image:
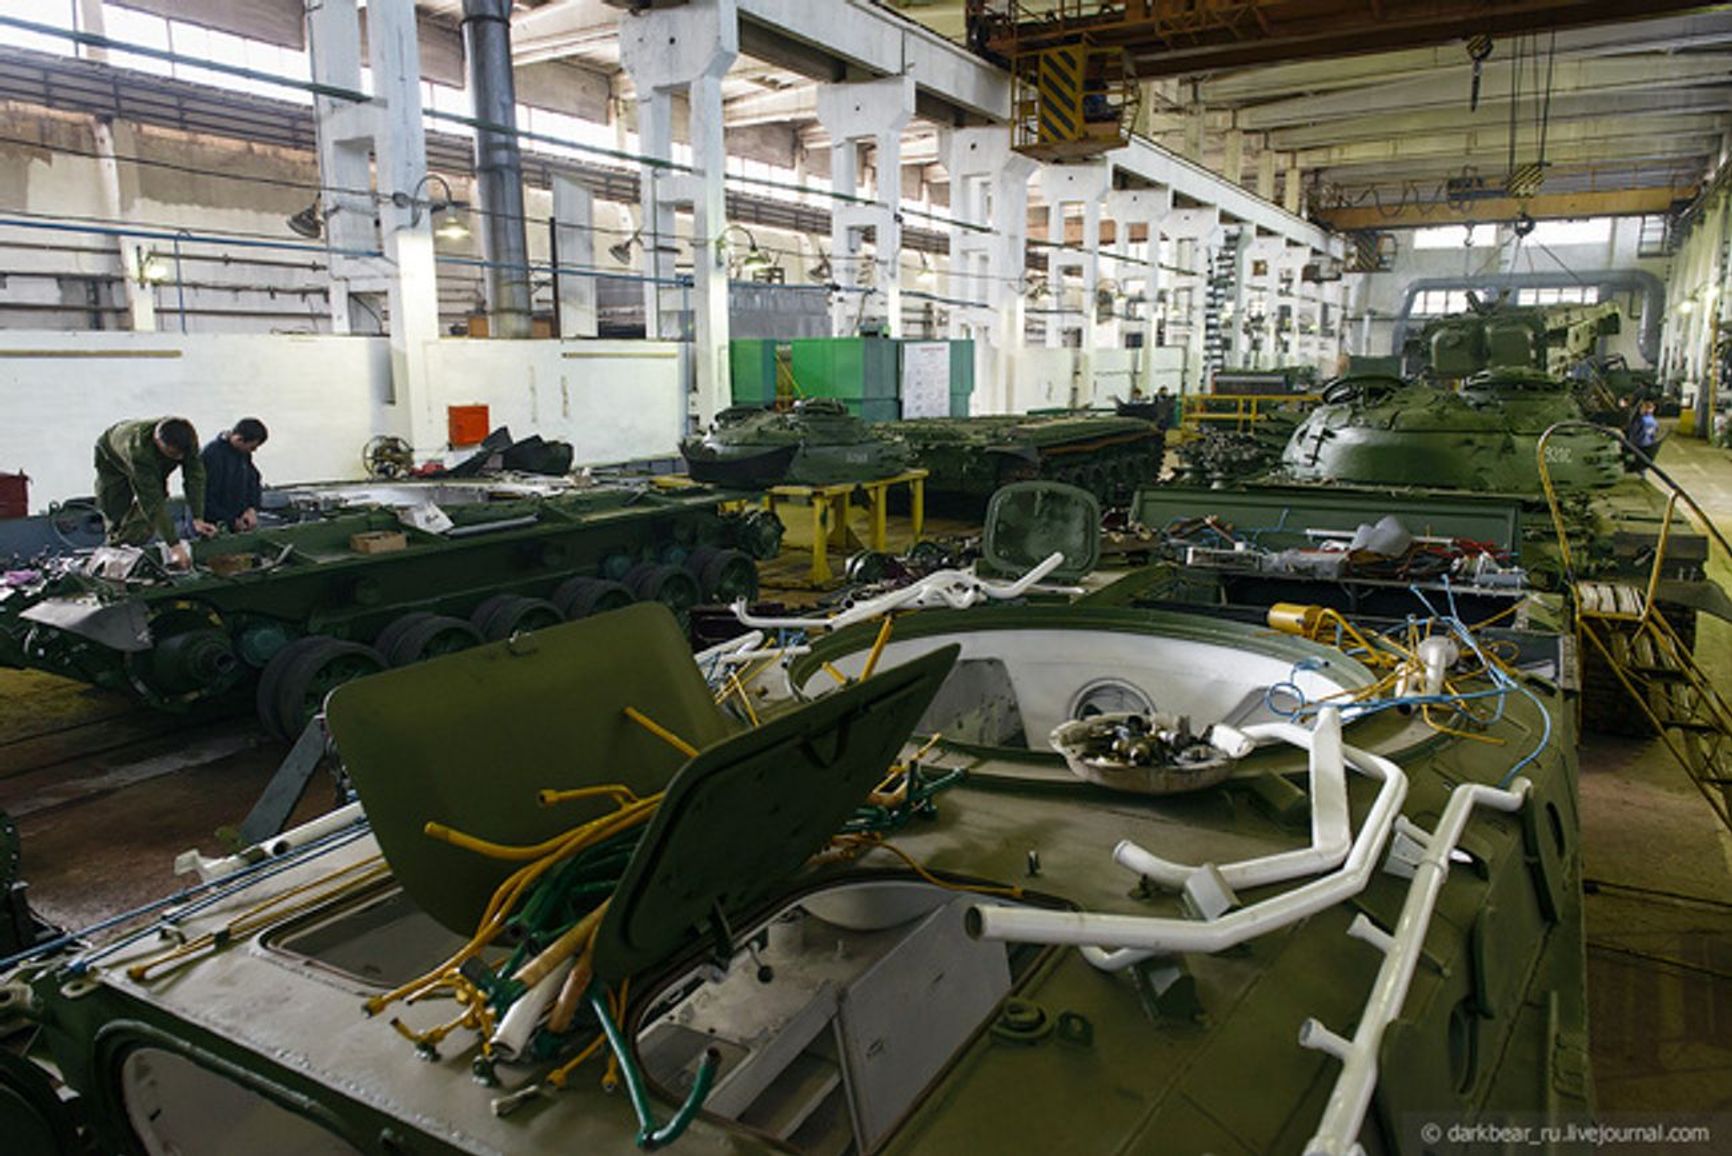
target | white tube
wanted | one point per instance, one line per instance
(1331, 833)
(957, 589)
(313, 829)
(518, 1024)
(1345, 1111)
(1121, 940)
(191, 862)
(722, 650)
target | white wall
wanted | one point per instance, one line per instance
(323, 397)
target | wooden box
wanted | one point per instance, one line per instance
(378, 541)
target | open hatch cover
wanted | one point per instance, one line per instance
(745, 814)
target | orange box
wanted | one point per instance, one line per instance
(467, 424)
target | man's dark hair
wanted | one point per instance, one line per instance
(251, 429)
(178, 435)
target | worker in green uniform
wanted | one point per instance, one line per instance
(133, 462)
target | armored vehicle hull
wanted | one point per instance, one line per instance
(968, 459)
(844, 1001)
(816, 443)
(291, 611)
(1378, 431)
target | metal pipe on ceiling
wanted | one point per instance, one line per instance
(498, 164)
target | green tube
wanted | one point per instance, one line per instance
(649, 1136)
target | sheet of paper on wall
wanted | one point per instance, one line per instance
(925, 379)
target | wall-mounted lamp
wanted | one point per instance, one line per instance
(754, 263)
(309, 222)
(1686, 307)
(447, 211)
(621, 250)
(152, 269)
(927, 274)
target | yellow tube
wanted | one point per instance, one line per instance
(660, 732)
(878, 647)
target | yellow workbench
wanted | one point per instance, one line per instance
(829, 506)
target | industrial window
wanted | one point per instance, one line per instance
(1446, 237)
(1588, 231)
(1565, 295)
(60, 16)
(139, 28)
(1436, 302)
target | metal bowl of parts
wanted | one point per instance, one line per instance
(1147, 754)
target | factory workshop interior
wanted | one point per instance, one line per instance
(865, 576)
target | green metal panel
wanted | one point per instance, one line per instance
(850, 368)
(752, 363)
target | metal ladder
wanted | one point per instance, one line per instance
(1620, 622)
(1657, 668)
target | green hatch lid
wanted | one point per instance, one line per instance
(469, 739)
(744, 815)
(1027, 521)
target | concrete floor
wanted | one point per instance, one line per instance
(1659, 964)
(106, 795)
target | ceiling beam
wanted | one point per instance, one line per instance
(1615, 203)
(1448, 88)
(1491, 164)
(1452, 120)
(1493, 140)
(1697, 30)
(1347, 31)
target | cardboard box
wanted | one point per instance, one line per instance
(378, 541)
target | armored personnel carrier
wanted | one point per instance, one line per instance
(817, 442)
(1549, 339)
(292, 611)
(811, 935)
(968, 459)
(1482, 437)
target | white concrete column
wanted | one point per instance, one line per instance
(1006, 274)
(655, 136)
(874, 111)
(1056, 260)
(1266, 171)
(1233, 163)
(351, 134)
(400, 157)
(710, 329)
(140, 297)
(1196, 234)
(1148, 208)
(688, 49)
(1195, 120)
(1291, 188)
(574, 232)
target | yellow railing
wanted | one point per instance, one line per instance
(1240, 410)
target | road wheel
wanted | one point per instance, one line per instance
(503, 615)
(582, 597)
(301, 676)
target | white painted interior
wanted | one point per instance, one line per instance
(321, 396)
(1203, 680)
